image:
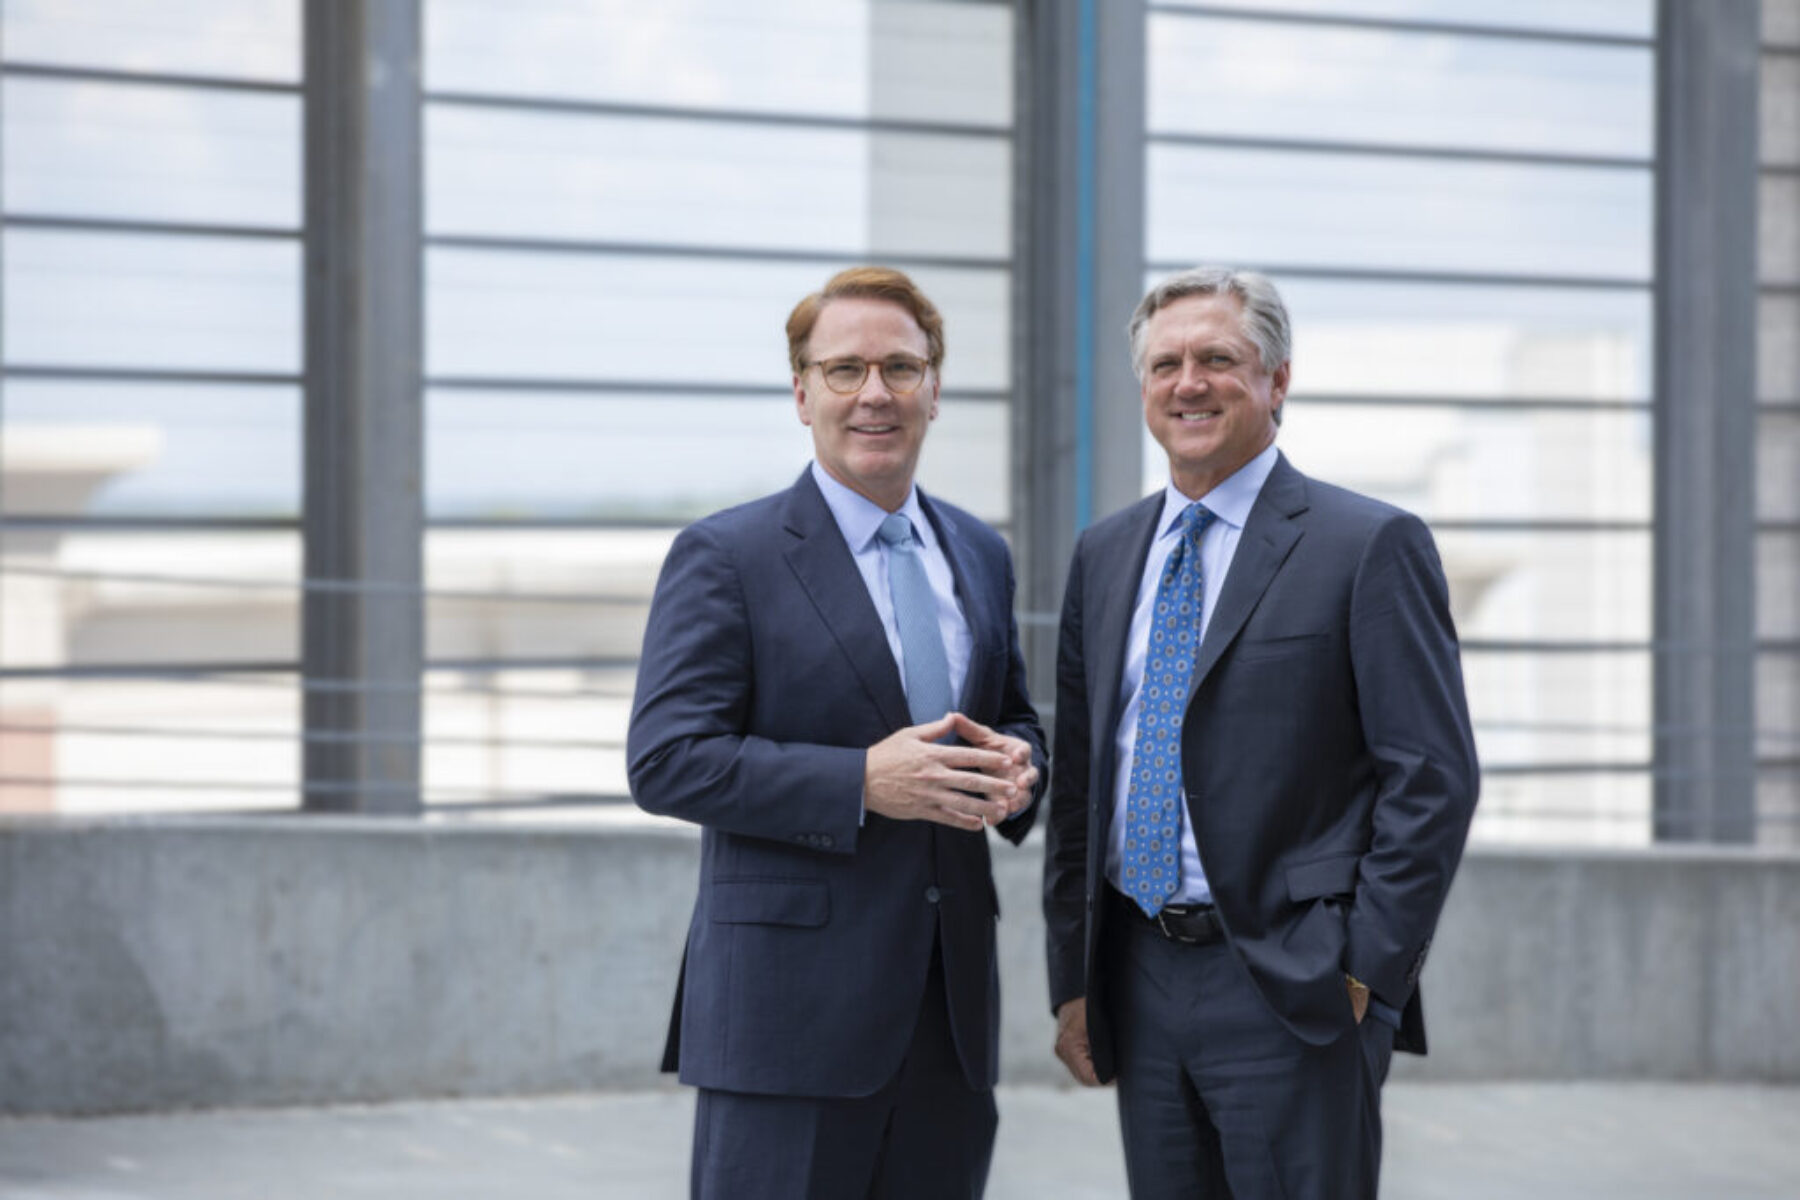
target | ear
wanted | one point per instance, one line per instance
(1278, 384)
(931, 412)
(800, 408)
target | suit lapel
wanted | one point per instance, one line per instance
(1119, 564)
(827, 572)
(977, 596)
(1269, 537)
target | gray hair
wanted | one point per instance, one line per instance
(1265, 316)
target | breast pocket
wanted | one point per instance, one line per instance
(1296, 645)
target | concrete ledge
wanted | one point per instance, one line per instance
(156, 964)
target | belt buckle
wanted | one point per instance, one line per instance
(1162, 923)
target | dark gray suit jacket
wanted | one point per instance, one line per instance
(765, 677)
(1327, 758)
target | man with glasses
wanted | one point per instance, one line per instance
(831, 687)
(1264, 777)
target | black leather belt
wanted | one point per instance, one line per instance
(1189, 924)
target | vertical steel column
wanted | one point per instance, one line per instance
(1078, 272)
(363, 631)
(1706, 184)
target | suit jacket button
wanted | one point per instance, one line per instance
(933, 895)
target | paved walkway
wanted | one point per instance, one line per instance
(1452, 1141)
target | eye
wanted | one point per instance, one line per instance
(845, 374)
(1164, 366)
(903, 374)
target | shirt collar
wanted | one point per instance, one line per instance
(859, 518)
(1230, 502)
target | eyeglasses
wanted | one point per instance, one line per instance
(902, 373)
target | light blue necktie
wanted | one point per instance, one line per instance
(1150, 866)
(915, 613)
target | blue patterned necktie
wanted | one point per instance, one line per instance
(915, 613)
(1150, 867)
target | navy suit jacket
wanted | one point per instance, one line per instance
(1327, 761)
(765, 677)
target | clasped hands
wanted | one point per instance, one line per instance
(913, 776)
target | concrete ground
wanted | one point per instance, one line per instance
(1457, 1141)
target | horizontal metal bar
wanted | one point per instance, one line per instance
(351, 587)
(492, 797)
(1444, 278)
(151, 228)
(225, 83)
(1643, 767)
(1778, 408)
(1483, 403)
(652, 387)
(173, 523)
(147, 375)
(1404, 25)
(286, 678)
(318, 736)
(1535, 646)
(566, 246)
(1531, 158)
(1535, 525)
(527, 801)
(730, 116)
(656, 387)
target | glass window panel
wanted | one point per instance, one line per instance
(1251, 78)
(1385, 213)
(1620, 18)
(130, 301)
(1778, 467)
(641, 317)
(1779, 110)
(708, 183)
(82, 747)
(1447, 463)
(74, 447)
(240, 39)
(663, 457)
(1781, 22)
(945, 61)
(1778, 706)
(1778, 229)
(1778, 348)
(84, 149)
(1548, 585)
(179, 597)
(1778, 807)
(522, 735)
(1535, 708)
(1778, 584)
(1459, 341)
(1611, 808)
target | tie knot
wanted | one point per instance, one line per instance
(895, 529)
(1194, 520)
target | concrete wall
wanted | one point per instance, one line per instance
(286, 960)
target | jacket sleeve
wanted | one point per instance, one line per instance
(1415, 723)
(689, 752)
(1066, 848)
(1018, 717)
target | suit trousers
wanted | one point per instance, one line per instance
(1217, 1098)
(925, 1133)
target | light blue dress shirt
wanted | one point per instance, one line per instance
(859, 520)
(1230, 503)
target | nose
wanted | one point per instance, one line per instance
(874, 389)
(1193, 378)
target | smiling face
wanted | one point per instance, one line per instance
(1208, 400)
(868, 441)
